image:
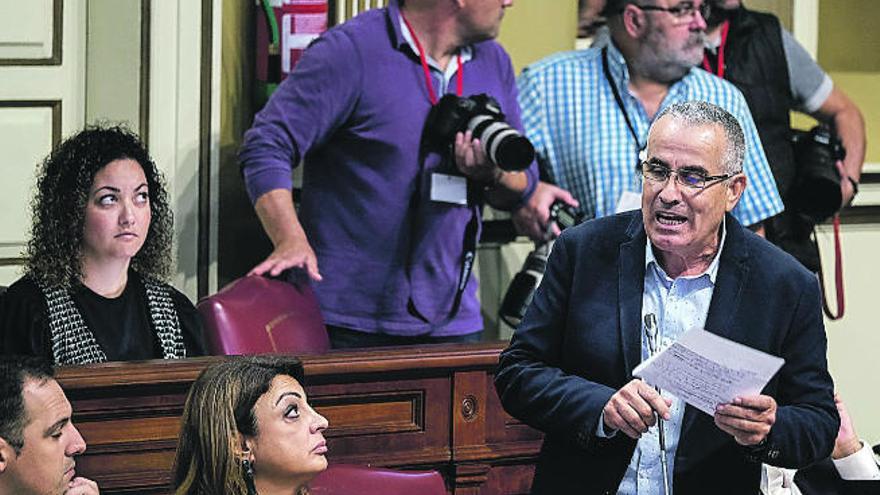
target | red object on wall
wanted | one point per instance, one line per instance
(299, 22)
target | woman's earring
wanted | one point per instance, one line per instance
(248, 471)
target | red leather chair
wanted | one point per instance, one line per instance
(255, 315)
(343, 479)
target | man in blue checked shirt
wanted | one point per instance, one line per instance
(588, 112)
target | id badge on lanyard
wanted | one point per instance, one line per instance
(445, 188)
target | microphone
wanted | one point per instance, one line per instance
(652, 334)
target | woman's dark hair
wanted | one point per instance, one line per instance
(54, 251)
(219, 409)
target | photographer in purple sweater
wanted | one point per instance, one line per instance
(392, 197)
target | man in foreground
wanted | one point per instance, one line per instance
(686, 259)
(38, 442)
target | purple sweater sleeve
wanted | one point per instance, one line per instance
(308, 106)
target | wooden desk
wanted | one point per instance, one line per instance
(418, 407)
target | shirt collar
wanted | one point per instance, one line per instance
(711, 271)
(617, 66)
(466, 52)
(393, 13)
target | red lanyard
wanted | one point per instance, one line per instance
(720, 72)
(459, 83)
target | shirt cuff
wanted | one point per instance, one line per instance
(600, 428)
(858, 466)
(817, 99)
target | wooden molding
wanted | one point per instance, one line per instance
(394, 407)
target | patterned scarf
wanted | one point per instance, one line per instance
(74, 343)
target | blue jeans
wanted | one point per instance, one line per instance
(346, 338)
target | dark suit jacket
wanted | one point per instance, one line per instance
(822, 478)
(581, 338)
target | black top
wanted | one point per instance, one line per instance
(756, 64)
(122, 326)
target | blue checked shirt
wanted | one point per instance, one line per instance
(580, 134)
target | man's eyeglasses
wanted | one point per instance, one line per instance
(693, 179)
(683, 12)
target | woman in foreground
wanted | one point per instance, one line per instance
(248, 429)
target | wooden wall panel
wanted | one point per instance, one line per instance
(31, 32)
(407, 421)
(28, 130)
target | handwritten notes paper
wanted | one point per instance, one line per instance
(705, 370)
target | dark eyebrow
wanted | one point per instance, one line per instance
(285, 394)
(111, 188)
(61, 423)
(117, 190)
(656, 161)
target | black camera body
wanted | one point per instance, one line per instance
(481, 114)
(816, 190)
(564, 215)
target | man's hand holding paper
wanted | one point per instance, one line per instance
(720, 377)
(748, 419)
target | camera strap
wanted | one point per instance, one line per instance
(468, 256)
(838, 274)
(459, 74)
(469, 249)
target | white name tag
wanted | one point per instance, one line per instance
(628, 201)
(449, 188)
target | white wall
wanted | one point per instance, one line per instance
(854, 341)
(175, 76)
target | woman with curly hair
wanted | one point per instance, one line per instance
(98, 255)
(248, 429)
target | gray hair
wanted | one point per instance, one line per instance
(699, 113)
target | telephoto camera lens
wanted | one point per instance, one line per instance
(522, 288)
(503, 144)
(521, 291)
(481, 114)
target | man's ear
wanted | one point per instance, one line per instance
(7, 454)
(634, 21)
(737, 184)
